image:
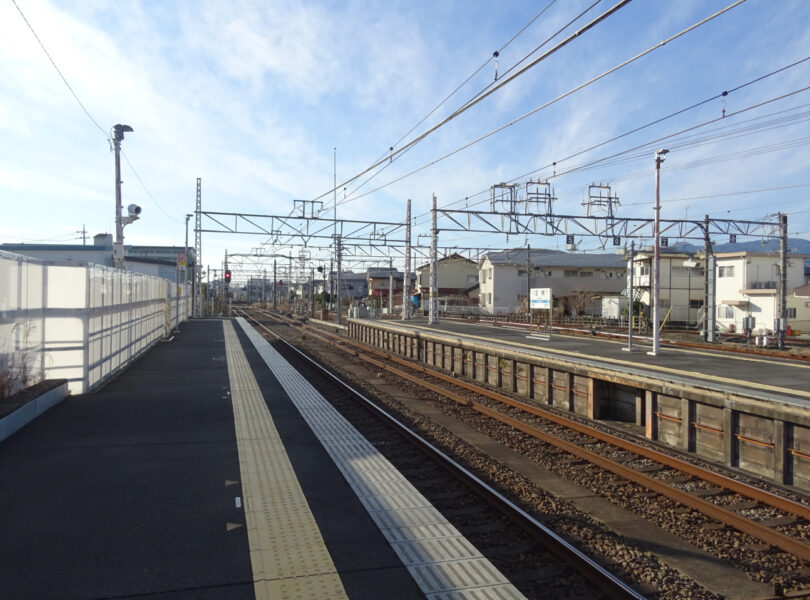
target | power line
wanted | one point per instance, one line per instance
(75, 97)
(391, 158)
(558, 98)
(84, 108)
(146, 189)
(479, 98)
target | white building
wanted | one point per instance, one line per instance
(748, 286)
(681, 285)
(456, 278)
(577, 281)
(158, 261)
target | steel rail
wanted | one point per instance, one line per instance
(596, 573)
(765, 534)
(795, 508)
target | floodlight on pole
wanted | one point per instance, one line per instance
(118, 244)
(656, 290)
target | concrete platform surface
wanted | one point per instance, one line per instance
(779, 379)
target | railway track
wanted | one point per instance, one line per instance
(512, 539)
(636, 474)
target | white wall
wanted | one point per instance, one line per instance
(82, 323)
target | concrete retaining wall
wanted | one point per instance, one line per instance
(769, 439)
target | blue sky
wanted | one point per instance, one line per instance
(253, 96)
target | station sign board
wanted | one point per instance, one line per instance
(540, 298)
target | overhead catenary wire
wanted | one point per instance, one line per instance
(641, 150)
(558, 98)
(470, 104)
(386, 160)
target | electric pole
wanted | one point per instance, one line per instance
(118, 246)
(433, 306)
(656, 291)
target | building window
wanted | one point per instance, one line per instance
(570, 273)
(472, 279)
(790, 313)
(725, 312)
(644, 270)
(695, 303)
(521, 272)
(725, 271)
(586, 274)
(483, 276)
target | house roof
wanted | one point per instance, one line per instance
(454, 256)
(382, 273)
(555, 258)
(803, 291)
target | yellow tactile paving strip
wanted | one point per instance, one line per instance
(442, 562)
(287, 552)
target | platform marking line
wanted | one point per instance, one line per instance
(287, 553)
(792, 364)
(440, 559)
(670, 370)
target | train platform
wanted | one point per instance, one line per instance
(781, 379)
(211, 469)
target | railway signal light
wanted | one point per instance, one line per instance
(227, 279)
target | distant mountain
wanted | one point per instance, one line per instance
(795, 246)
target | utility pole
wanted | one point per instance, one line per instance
(83, 232)
(227, 306)
(656, 291)
(782, 280)
(406, 276)
(391, 286)
(528, 283)
(264, 288)
(118, 245)
(312, 292)
(433, 306)
(338, 253)
(275, 285)
(197, 282)
(185, 260)
(709, 274)
(630, 298)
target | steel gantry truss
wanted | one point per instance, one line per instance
(293, 230)
(613, 229)
(605, 228)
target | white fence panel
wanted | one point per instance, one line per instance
(81, 322)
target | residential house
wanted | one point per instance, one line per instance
(379, 282)
(577, 281)
(681, 285)
(747, 285)
(456, 280)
